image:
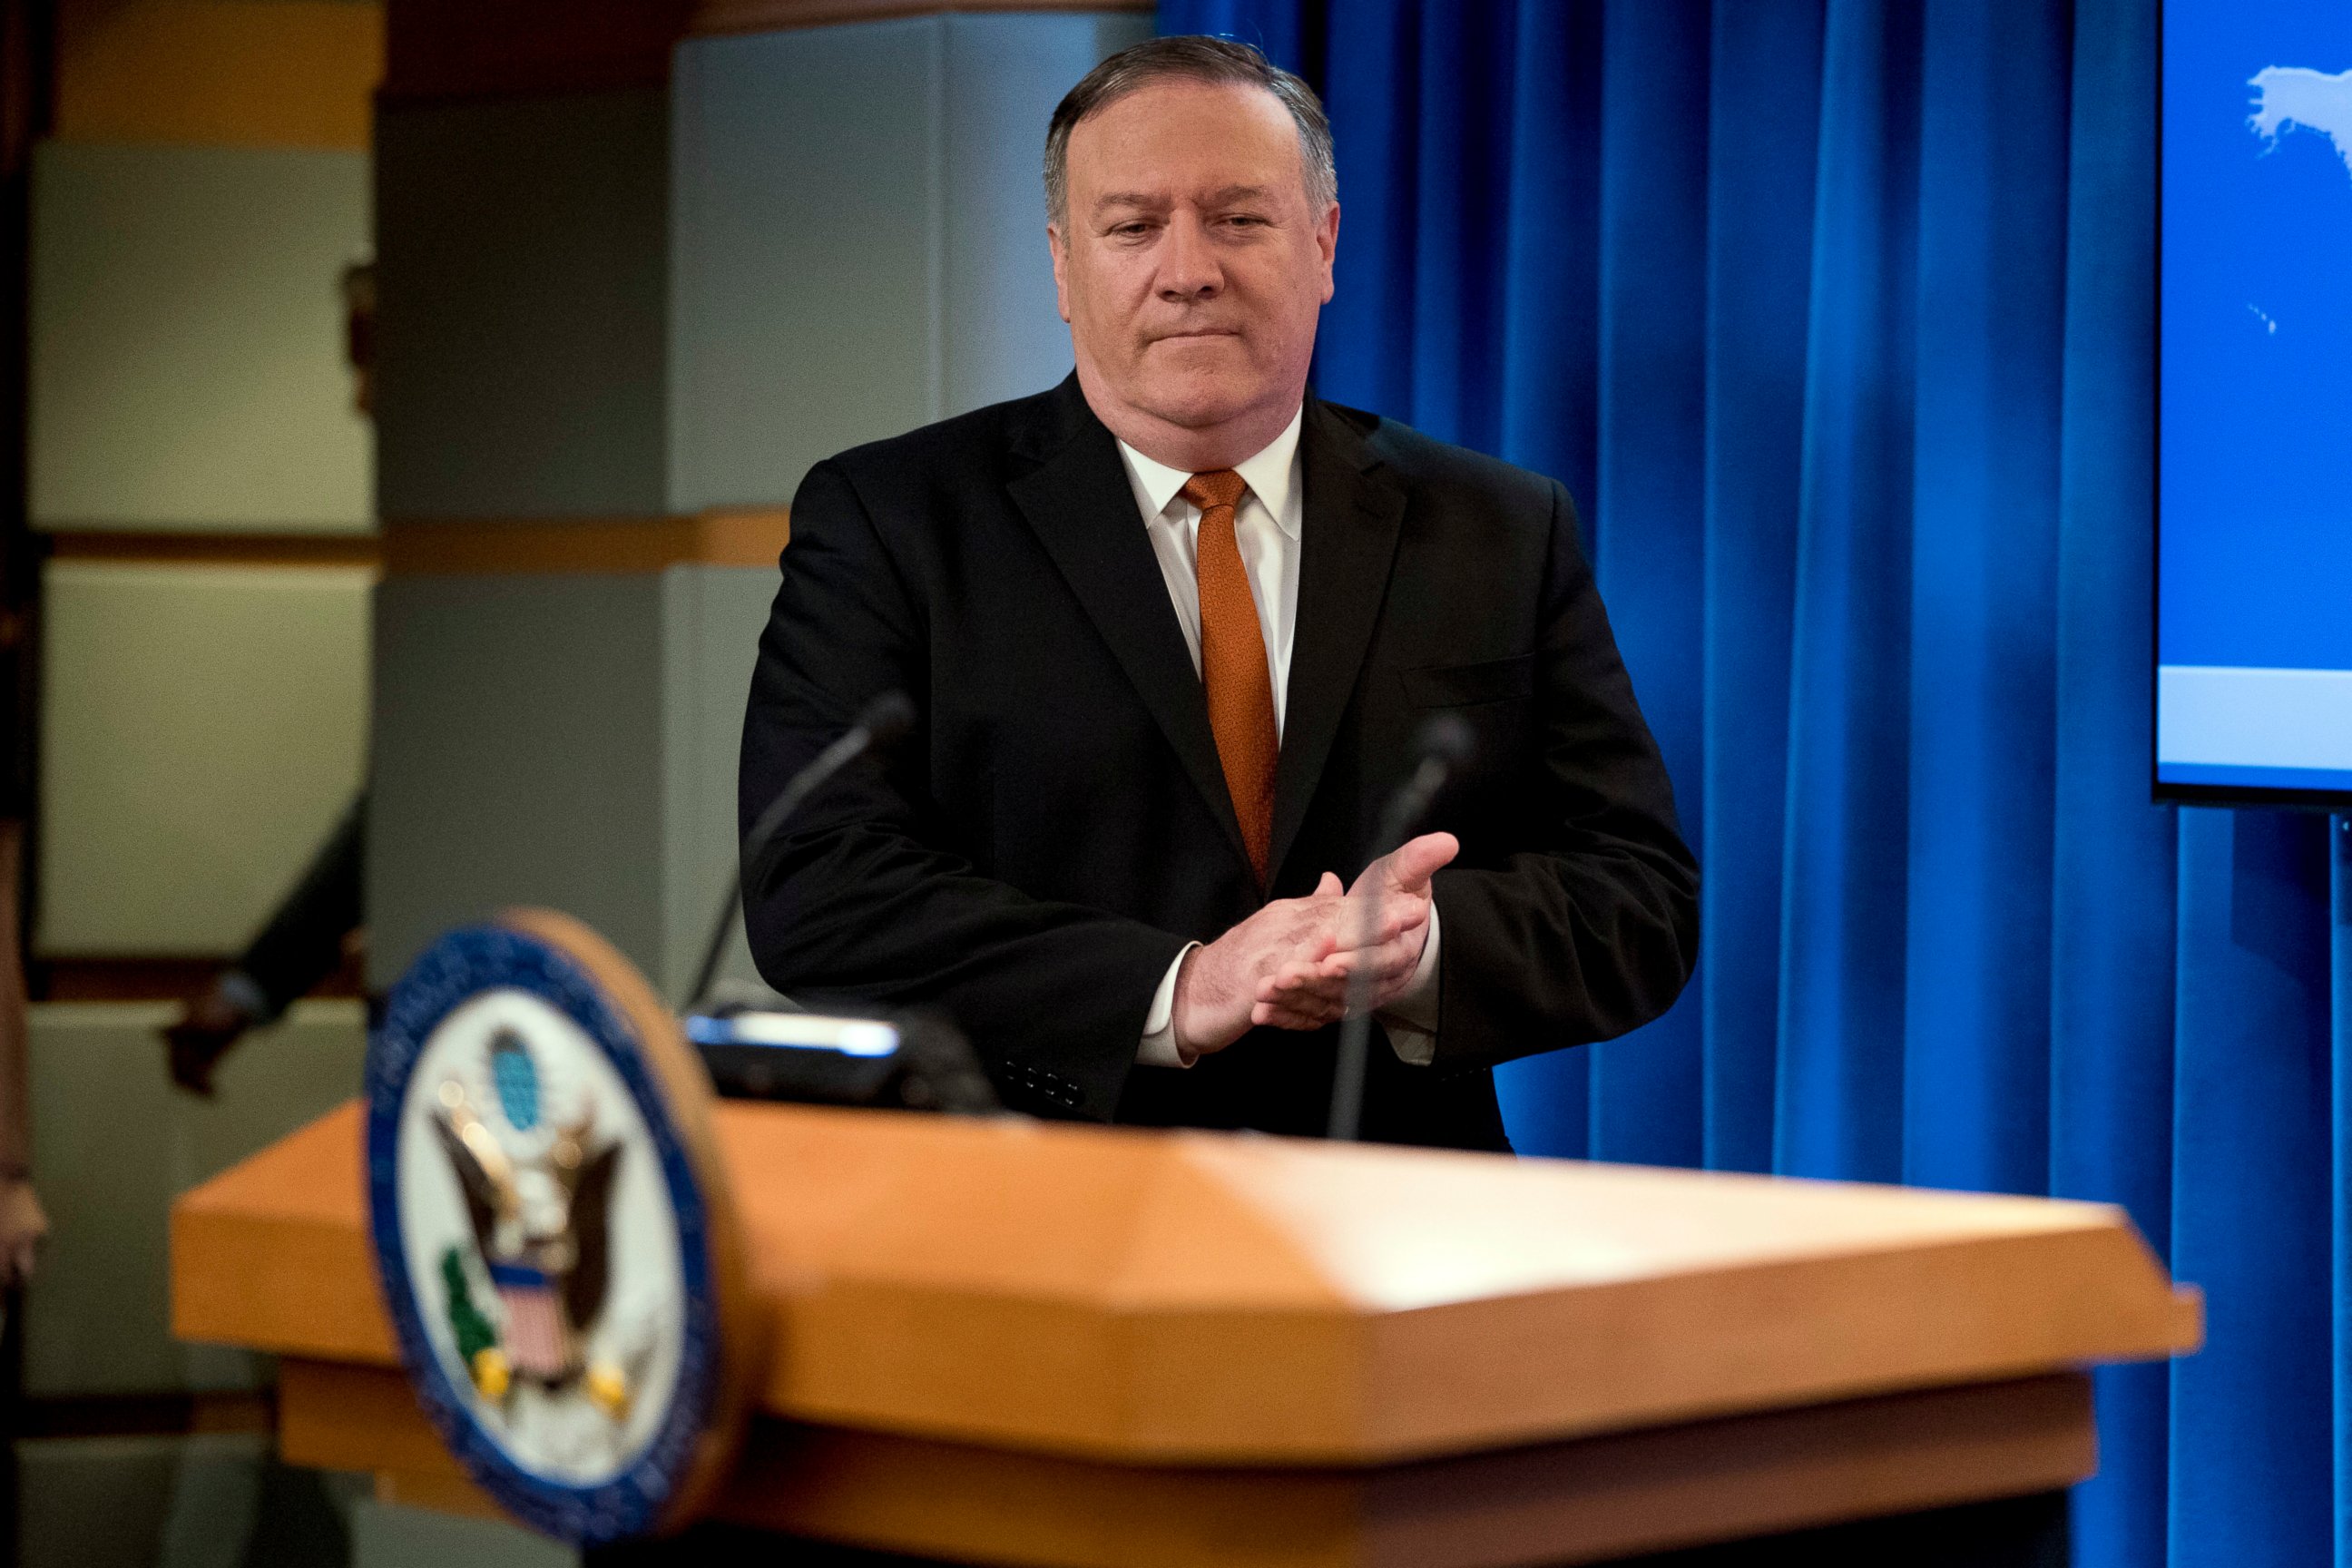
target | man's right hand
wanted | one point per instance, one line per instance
(1217, 987)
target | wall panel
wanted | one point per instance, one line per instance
(202, 727)
(187, 339)
(386, 1535)
(114, 1142)
(711, 634)
(1003, 335)
(858, 235)
(854, 222)
(806, 252)
(517, 758)
(226, 73)
(522, 276)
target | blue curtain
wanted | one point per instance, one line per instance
(1838, 317)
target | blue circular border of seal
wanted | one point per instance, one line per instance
(461, 965)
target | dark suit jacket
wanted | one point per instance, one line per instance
(1059, 828)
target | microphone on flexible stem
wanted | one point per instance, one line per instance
(1442, 745)
(881, 724)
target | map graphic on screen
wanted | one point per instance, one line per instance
(2255, 567)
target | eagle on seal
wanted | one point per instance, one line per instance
(540, 1206)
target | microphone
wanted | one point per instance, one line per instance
(1441, 747)
(881, 724)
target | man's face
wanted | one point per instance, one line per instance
(1190, 264)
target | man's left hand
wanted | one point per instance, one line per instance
(1309, 995)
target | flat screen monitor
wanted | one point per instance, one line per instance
(2254, 656)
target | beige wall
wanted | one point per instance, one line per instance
(204, 712)
(187, 339)
(114, 1142)
(204, 718)
(202, 728)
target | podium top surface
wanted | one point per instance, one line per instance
(1194, 1298)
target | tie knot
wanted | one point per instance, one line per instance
(1218, 487)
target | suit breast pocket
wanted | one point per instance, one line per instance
(1469, 685)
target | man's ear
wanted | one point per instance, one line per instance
(1327, 241)
(1061, 253)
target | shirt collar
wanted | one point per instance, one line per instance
(1269, 475)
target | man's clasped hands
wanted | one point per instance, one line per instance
(1287, 965)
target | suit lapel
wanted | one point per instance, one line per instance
(1077, 501)
(1348, 545)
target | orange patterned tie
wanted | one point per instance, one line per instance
(1233, 664)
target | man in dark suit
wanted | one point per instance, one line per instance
(1171, 629)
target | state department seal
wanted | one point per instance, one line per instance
(551, 1232)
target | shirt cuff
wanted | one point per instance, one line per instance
(244, 993)
(1160, 1048)
(1411, 1020)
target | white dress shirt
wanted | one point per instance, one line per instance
(1267, 526)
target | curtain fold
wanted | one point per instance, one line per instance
(2251, 1423)
(1837, 319)
(2113, 857)
(2340, 1187)
(1764, 91)
(1990, 303)
(1844, 879)
(1650, 560)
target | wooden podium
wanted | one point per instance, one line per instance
(1014, 1343)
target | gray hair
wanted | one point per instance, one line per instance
(1192, 57)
